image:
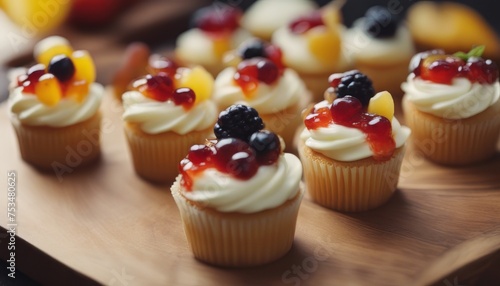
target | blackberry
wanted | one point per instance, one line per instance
(238, 121)
(267, 145)
(380, 23)
(252, 48)
(61, 67)
(356, 84)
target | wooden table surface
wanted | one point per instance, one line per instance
(104, 225)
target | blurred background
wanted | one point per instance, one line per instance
(106, 27)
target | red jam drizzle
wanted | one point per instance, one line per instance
(252, 71)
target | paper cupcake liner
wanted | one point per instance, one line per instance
(156, 157)
(237, 239)
(286, 122)
(454, 142)
(350, 186)
(59, 148)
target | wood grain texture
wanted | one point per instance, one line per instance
(106, 223)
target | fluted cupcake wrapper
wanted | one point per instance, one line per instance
(156, 157)
(238, 239)
(350, 186)
(454, 142)
(61, 149)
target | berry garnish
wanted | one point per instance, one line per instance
(345, 109)
(238, 121)
(159, 64)
(380, 23)
(184, 96)
(61, 67)
(250, 72)
(481, 71)
(158, 87)
(267, 146)
(217, 19)
(252, 48)
(321, 117)
(355, 84)
(440, 68)
(32, 77)
(275, 54)
(235, 157)
(307, 22)
(200, 154)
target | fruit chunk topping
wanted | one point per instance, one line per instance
(241, 147)
(257, 48)
(379, 23)
(349, 112)
(250, 72)
(438, 67)
(217, 19)
(61, 72)
(352, 83)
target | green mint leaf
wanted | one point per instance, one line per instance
(461, 55)
(476, 51)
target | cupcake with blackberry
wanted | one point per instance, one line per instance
(452, 104)
(215, 30)
(352, 147)
(166, 113)
(262, 20)
(239, 194)
(54, 107)
(312, 46)
(381, 47)
(259, 79)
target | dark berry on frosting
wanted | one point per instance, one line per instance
(380, 23)
(61, 67)
(267, 146)
(252, 49)
(235, 157)
(356, 84)
(238, 121)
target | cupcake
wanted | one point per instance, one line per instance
(381, 47)
(54, 108)
(164, 115)
(216, 30)
(262, 20)
(259, 79)
(312, 46)
(452, 104)
(352, 147)
(239, 195)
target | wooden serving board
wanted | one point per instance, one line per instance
(104, 225)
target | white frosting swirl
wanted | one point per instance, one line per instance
(462, 99)
(262, 20)
(156, 117)
(266, 99)
(196, 46)
(30, 111)
(347, 144)
(270, 187)
(384, 50)
(298, 56)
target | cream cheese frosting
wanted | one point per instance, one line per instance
(263, 18)
(385, 51)
(30, 111)
(196, 46)
(347, 144)
(298, 56)
(266, 99)
(270, 187)
(156, 117)
(462, 99)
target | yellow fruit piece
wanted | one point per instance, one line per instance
(382, 104)
(36, 17)
(45, 57)
(332, 15)
(324, 44)
(199, 80)
(49, 47)
(77, 90)
(221, 46)
(48, 90)
(452, 27)
(84, 66)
